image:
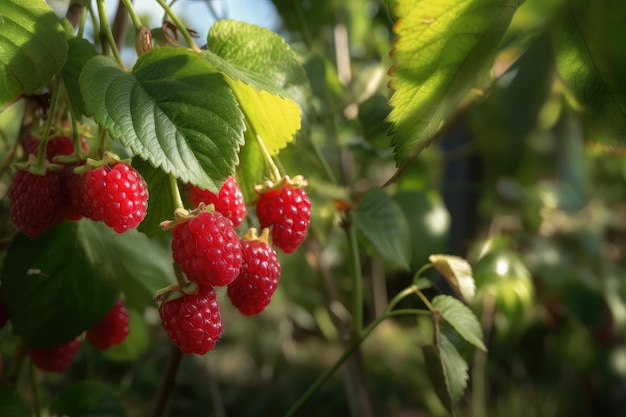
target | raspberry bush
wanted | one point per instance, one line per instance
(137, 176)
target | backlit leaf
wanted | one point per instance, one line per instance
(444, 49)
(591, 58)
(461, 318)
(32, 47)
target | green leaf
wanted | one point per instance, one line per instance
(142, 265)
(33, 47)
(429, 223)
(265, 76)
(79, 52)
(461, 318)
(251, 171)
(161, 202)
(443, 50)
(273, 119)
(135, 344)
(88, 399)
(591, 58)
(458, 272)
(447, 370)
(255, 56)
(382, 222)
(12, 404)
(174, 110)
(60, 283)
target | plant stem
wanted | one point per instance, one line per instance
(353, 345)
(35, 388)
(274, 171)
(167, 383)
(179, 24)
(133, 14)
(357, 274)
(43, 145)
(81, 24)
(178, 201)
(105, 31)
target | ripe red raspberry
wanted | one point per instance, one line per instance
(286, 209)
(111, 329)
(72, 205)
(193, 321)
(35, 201)
(116, 195)
(207, 249)
(55, 359)
(252, 290)
(228, 201)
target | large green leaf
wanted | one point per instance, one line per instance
(443, 50)
(461, 318)
(88, 399)
(255, 56)
(79, 52)
(59, 284)
(382, 222)
(173, 110)
(592, 57)
(32, 47)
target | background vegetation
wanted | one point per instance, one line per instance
(496, 136)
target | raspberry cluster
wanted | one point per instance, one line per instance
(208, 253)
(68, 186)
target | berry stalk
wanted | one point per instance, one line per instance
(43, 145)
(105, 32)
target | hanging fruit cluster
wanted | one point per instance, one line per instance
(208, 253)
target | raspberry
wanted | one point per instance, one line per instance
(193, 321)
(228, 201)
(111, 329)
(207, 249)
(252, 290)
(116, 195)
(72, 205)
(35, 201)
(286, 208)
(57, 358)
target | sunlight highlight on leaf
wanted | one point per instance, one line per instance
(443, 49)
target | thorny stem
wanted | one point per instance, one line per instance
(179, 25)
(167, 383)
(43, 145)
(178, 201)
(105, 31)
(354, 344)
